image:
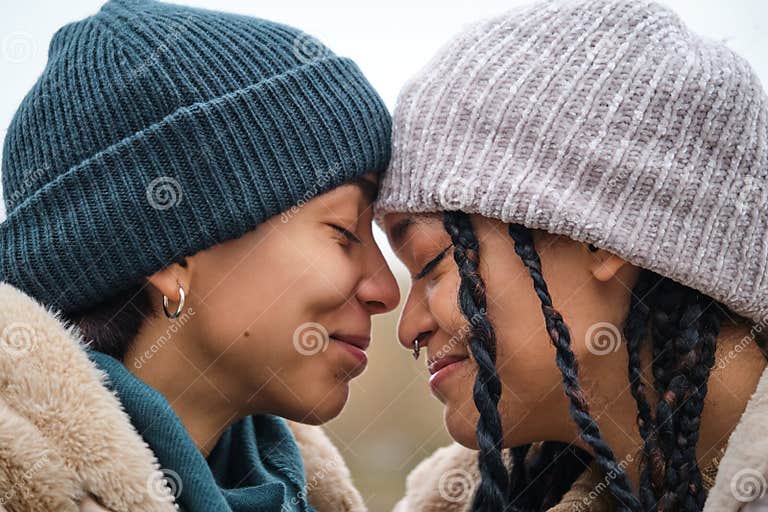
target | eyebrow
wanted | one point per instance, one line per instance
(432, 264)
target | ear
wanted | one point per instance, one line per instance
(605, 265)
(168, 279)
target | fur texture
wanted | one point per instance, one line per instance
(63, 434)
(445, 481)
(740, 484)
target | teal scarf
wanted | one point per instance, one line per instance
(255, 466)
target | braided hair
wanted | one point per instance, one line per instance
(682, 325)
(526, 486)
(685, 326)
(566, 362)
(494, 485)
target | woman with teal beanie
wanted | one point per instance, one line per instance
(188, 262)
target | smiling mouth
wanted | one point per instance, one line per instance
(442, 362)
(361, 342)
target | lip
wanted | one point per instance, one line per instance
(361, 342)
(442, 368)
(442, 362)
(355, 346)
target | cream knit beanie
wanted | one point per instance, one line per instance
(606, 121)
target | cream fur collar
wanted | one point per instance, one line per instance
(64, 434)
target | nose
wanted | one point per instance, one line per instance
(415, 321)
(378, 291)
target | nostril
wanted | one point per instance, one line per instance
(376, 306)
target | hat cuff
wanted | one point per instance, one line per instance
(206, 173)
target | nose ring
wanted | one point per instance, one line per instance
(416, 349)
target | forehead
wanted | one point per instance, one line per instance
(360, 192)
(367, 184)
(398, 226)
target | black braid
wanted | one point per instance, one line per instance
(669, 306)
(684, 325)
(619, 486)
(683, 468)
(518, 498)
(702, 325)
(553, 472)
(711, 322)
(493, 490)
(635, 332)
(666, 310)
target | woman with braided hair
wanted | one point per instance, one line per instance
(579, 192)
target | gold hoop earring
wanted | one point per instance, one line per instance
(178, 309)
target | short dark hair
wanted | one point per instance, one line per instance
(111, 325)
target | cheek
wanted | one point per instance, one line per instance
(442, 298)
(284, 281)
(460, 413)
(257, 295)
(525, 355)
(332, 273)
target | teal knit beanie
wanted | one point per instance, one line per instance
(157, 130)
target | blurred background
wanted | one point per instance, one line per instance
(391, 421)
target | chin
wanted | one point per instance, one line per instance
(324, 404)
(462, 425)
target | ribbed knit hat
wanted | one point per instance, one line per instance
(609, 122)
(157, 130)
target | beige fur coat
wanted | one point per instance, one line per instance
(64, 435)
(445, 481)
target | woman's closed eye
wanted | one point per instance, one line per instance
(434, 262)
(348, 235)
